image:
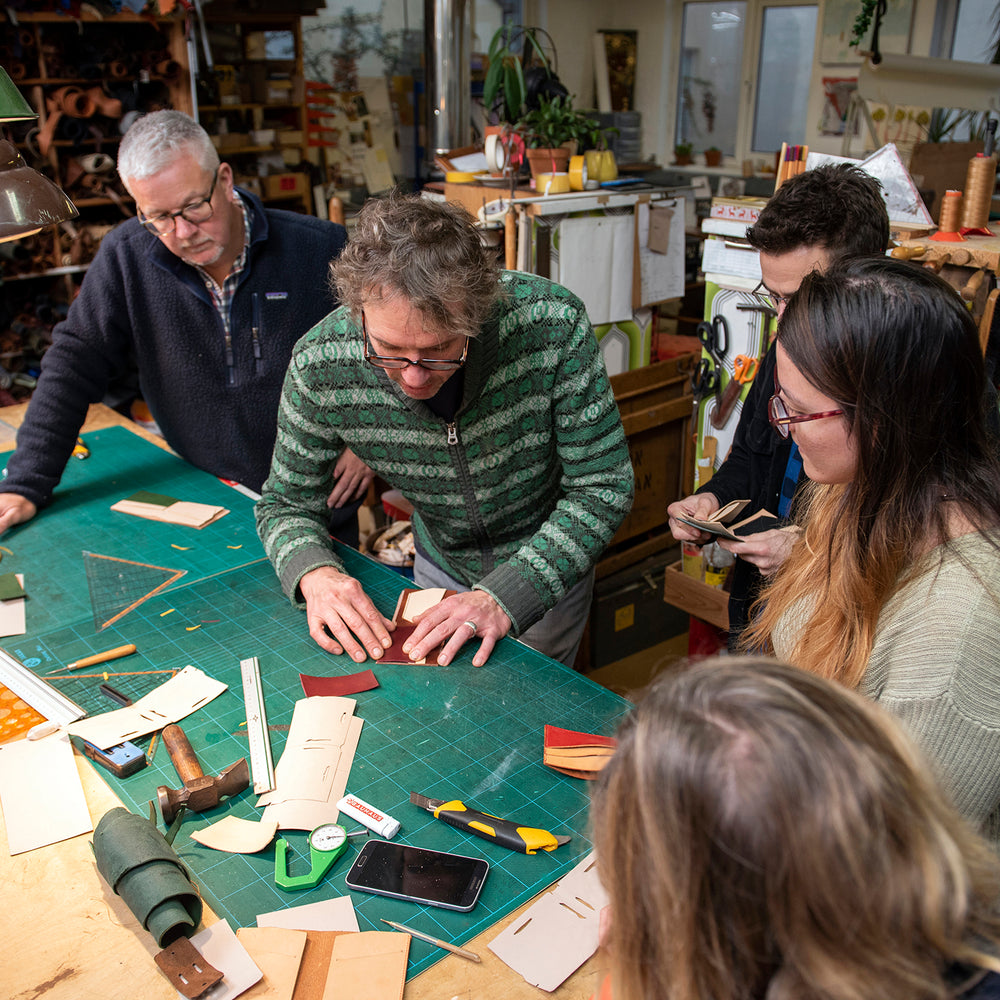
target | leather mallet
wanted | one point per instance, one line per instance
(200, 791)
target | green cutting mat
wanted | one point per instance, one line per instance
(49, 549)
(448, 732)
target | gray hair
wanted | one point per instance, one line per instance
(429, 253)
(156, 140)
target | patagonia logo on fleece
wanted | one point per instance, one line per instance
(275, 296)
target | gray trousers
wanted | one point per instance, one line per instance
(559, 631)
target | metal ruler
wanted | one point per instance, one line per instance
(37, 692)
(261, 764)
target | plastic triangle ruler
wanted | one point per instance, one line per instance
(118, 586)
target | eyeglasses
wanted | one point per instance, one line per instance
(778, 416)
(771, 298)
(196, 213)
(397, 364)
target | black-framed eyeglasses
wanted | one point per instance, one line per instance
(779, 418)
(397, 364)
(771, 298)
(196, 213)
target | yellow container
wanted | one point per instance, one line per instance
(552, 183)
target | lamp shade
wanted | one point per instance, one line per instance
(13, 106)
(29, 201)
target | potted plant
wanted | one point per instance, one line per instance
(552, 132)
(683, 152)
(505, 89)
(713, 156)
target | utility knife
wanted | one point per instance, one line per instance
(507, 833)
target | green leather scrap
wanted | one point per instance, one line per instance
(142, 868)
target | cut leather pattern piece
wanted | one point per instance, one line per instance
(186, 969)
(412, 603)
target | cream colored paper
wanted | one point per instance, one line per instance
(220, 948)
(183, 512)
(368, 966)
(312, 774)
(43, 800)
(277, 952)
(327, 915)
(558, 933)
(12, 613)
(237, 836)
(170, 702)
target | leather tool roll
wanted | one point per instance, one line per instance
(140, 866)
(69, 101)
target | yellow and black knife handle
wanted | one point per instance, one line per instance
(524, 839)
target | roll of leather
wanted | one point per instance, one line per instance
(69, 101)
(135, 859)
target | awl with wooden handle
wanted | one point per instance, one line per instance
(507, 833)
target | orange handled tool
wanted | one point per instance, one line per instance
(744, 369)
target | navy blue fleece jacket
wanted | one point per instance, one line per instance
(140, 303)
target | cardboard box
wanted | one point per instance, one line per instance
(288, 185)
(710, 604)
(656, 404)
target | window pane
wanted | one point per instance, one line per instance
(975, 30)
(786, 59)
(709, 85)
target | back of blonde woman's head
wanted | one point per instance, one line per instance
(763, 832)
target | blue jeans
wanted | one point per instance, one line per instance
(559, 631)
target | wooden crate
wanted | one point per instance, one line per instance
(697, 598)
(656, 405)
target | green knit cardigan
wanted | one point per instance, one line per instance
(518, 496)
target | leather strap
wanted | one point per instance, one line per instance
(187, 970)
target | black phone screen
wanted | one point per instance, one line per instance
(436, 878)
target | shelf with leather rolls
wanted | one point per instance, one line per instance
(86, 77)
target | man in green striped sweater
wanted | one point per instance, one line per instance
(483, 397)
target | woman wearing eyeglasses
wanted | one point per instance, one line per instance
(895, 588)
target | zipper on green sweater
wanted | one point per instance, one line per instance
(452, 433)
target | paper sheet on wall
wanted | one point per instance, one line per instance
(595, 255)
(661, 275)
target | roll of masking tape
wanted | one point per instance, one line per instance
(557, 183)
(577, 172)
(460, 176)
(496, 154)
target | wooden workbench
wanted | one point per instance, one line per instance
(65, 936)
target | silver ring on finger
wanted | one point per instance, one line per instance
(471, 625)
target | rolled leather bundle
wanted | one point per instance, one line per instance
(140, 866)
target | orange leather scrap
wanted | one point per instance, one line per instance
(580, 755)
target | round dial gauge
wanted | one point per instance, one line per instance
(328, 837)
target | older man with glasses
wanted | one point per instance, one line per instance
(203, 294)
(481, 394)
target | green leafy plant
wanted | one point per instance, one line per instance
(683, 149)
(504, 86)
(554, 122)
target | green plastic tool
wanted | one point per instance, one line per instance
(326, 844)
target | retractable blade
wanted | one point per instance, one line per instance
(507, 833)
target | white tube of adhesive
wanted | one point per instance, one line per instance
(374, 819)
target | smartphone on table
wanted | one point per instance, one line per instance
(435, 878)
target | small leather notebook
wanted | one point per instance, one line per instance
(724, 524)
(412, 602)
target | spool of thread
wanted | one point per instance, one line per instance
(950, 218)
(979, 182)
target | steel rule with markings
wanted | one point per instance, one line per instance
(36, 692)
(261, 763)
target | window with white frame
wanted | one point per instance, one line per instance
(744, 74)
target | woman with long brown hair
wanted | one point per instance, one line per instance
(894, 588)
(765, 834)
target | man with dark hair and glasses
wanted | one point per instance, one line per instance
(203, 294)
(482, 395)
(822, 215)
